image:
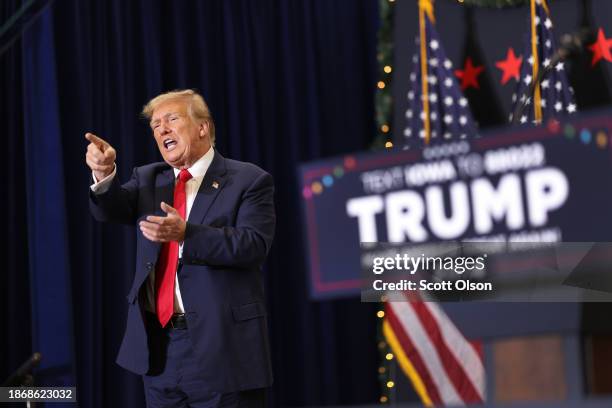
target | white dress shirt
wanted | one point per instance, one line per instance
(198, 171)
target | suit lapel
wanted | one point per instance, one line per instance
(164, 190)
(213, 183)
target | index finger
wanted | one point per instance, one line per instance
(101, 143)
(155, 219)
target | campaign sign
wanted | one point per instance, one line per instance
(551, 183)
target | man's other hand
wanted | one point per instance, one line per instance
(100, 156)
(164, 229)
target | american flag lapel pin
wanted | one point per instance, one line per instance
(215, 184)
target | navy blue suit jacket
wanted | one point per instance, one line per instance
(229, 233)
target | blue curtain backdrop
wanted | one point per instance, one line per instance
(287, 82)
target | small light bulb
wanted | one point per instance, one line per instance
(388, 145)
(380, 314)
(389, 356)
(390, 384)
(381, 84)
(384, 128)
(387, 69)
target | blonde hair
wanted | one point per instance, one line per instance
(197, 110)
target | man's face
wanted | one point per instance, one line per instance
(180, 140)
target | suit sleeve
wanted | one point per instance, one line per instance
(244, 245)
(118, 203)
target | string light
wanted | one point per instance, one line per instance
(384, 128)
(380, 314)
(389, 145)
(383, 399)
(389, 356)
(390, 384)
(387, 69)
(382, 370)
(381, 85)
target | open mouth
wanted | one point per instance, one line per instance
(170, 144)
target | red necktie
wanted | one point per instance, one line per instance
(165, 272)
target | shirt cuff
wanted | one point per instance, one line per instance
(102, 186)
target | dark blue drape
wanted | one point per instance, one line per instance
(287, 82)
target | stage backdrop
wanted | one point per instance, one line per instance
(287, 82)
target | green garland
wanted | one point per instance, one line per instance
(383, 99)
(384, 114)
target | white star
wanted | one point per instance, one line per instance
(433, 62)
(537, 20)
(433, 116)
(434, 133)
(559, 67)
(510, 117)
(558, 85)
(528, 101)
(527, 80)
(409, 114)
(545, 84)
(422, 116)
(432, 79)
(462, 136)
(407, 132)
(415, 58)
(558, 106)
(448, 64)
(463, 102)
(448, 119)
(411, 95)
(448, 101)
(530, 60)
(548, 44)
(434, 44)
(546, 62)
(548, 23)
(433, 98)
(448, 82)
(543, 103)
(571, 90)
(462, 120)
(523, 119)
(523, 98)
(513, 98)
(571, 108)
(447, 135)
(413, 77)
(422, 133)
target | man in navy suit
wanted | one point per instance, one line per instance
(196, 327)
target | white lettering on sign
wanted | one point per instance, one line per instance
(414, 215)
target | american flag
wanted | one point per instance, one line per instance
(449, 114)
(444, 367)
(555, 96)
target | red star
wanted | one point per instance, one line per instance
(469, 74)
(511, 66)
(601, 48)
